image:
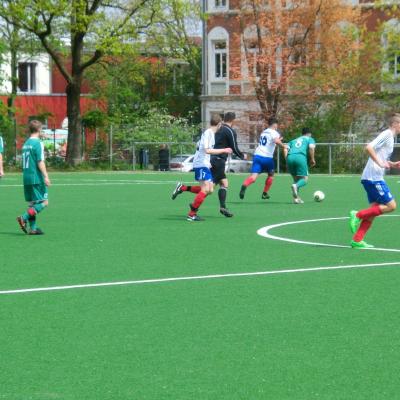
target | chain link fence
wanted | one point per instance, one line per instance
(117, 152)
(331, 158)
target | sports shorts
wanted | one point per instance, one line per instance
(297, 165)
(218, 169)
(36, 193)
(202, 174)
(262, 164)
(377, 191)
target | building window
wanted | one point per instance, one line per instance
(27, 77)
(394, 65)
(220, 3)
(220, 59)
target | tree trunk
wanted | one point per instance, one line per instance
(74, 148)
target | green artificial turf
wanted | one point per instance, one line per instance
(328, 334)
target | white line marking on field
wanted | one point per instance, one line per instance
(194, 278)
(105, 183)
(266, 229)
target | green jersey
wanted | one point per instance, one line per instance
(300, 145)
(32, 153)
(1, 145)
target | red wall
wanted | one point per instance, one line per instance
(27, 106)
(59, 84)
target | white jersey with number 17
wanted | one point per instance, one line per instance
(266, 145)
(207, 141)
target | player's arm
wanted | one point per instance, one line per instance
(43, 170)
(286, 150)
(394, 164)
(284, 146)
(227, 150)
(1, 165)
(233, 145)
(372, 153)
(311, 152)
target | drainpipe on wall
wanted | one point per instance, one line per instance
(204, 64)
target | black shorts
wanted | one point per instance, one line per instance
(218, 169)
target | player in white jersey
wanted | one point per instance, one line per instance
(201, 167)
(379, 196)
(263, 160)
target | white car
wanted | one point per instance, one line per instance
(181, 162)
(184, 163)
(235, 164)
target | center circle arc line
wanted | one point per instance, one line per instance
(265, 232)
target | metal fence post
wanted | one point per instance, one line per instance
(133, 157)
(111, 145)
(278, 161)
(330, 159)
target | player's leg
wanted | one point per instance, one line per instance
(180, 188)
(299, 170)
(219, 177)
(381, 201)
(222, 194)
(37, 197)
(247, 182)
(203, 175)
(268, 167)
(256, 169)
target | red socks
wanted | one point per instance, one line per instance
(373, 211)
(197, 202)
(193, 189)
(249, 181)
(365, 215)
(362, 230)
(268, 184)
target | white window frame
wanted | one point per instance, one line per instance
(31, 85)
(391, 66)
(217, 34)
(220, 5)
(222, 54)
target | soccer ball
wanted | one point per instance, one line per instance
(319, 196)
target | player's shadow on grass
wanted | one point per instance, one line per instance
(183, 217)
(261, 202)
(12, 234)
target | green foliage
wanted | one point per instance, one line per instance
(157, 126)
(94, 119)
(99, 151)
(7, 131)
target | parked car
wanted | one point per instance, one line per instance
(182, 162)
(235, 164)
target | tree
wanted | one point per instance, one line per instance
(77, 34)
(289, 44)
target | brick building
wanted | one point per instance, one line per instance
(225, 85)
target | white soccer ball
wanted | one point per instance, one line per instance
(319, 196)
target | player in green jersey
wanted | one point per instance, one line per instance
(35, 179)
(296, 155)
(1, 157)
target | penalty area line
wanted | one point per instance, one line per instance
(194, 278)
